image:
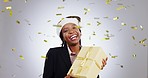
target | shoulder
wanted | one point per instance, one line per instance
(55, 50)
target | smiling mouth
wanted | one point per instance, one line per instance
(73, 37)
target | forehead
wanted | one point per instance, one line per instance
(69, 25)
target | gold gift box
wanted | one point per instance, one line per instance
(87, 63)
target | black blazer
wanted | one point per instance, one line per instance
(57, 63)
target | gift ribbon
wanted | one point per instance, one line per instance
(82, 65)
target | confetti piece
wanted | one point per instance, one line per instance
(39, 32)
(141, 27)
(17, 21)
(78, 27)
(45, 41)
(58, 14)
(108, 1)
(49, 21)
(123, 24)
(10, 12)
(133, 37)
(121, 66)
(13, 49)
(88, 23)
(8, 7)
(21, 57)
(114, 56)
(134, 55)
(86, 10)
(60, 7)
(43, 57)
(105, 38)
(57, 25)
(106, 17)
(7, 0)
(94, 33)
(107, 31)
(115, 18)
(142, 41)
(98, 23)
(134, 27)
(96, 18)
(120, 7)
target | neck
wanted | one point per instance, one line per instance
(74, 48)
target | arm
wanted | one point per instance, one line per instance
(49, 65)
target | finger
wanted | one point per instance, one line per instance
(106, 58)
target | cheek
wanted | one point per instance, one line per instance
(65, 37)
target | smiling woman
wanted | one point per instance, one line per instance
(60, 59)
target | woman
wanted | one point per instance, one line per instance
(60, 59)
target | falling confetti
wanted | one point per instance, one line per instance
(78, 27)
(142, 41)
(8, 7)
(115, 18)
(13, 49)
(141, 27)
(120, 7)
(60, 7)
(43, 57)
(133, 37)
(21, 57)
(89, 24)
(98, 23)
(17, 21)
(58, 14)
(134, 27)
(114, 56)
(45, 41)
(5, 0)
(57, 25)
(123, 24)
(39, 32)
(27, 21)
(134, 55)
(105, 38)
(86, 11)
(108, 1)
(94, 33)
(49, 21)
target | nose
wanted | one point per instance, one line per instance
(71, 32)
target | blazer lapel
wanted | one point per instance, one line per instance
(66, 57)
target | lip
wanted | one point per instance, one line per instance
(73, 37)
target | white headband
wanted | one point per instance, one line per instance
(65, 21)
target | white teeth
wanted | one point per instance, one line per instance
(73, 36)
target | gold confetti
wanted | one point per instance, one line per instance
(133, 37)
(88, 23)
(142, 41)
(94, 33)
(78, 27)
(39, 32)
(107, 31)
(123, 24)
(49, 21)
(43, 56)
(108, 1)
(10, 12)
(3, 11)
(8, 7)
(134, 55)
(114, 56)
(60, 7)
(17, 21)
(13, 49)
(120, 7)
(86, 10)
(58, 14)
(7, 0)
(106, 17)
(134, 27)
(115, 18)
(98, 23)
(105, 38)
(45, 41)
(57, 25)
(141, 27)
(21, 57)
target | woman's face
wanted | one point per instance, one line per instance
(71, 33)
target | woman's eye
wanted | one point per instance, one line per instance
(65, 31)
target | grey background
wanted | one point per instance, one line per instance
(34, 15)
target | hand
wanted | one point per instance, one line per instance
(68, 76)
(104, 62)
